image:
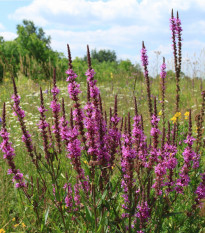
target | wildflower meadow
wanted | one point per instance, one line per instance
(122, 155)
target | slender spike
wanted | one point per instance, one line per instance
(142, 123)
(89, 58)
(14, 86)
(121, 126)
(115, 107)
(129, 123)
(125, 125)
(106, 117)
(71, 118)
(4, 116)
(88, 92)
(136, 110)
(69, 57)
(100, 102)
(110, 118)
(63, 107)
(54, 77)
(168, 133)
(41, 97)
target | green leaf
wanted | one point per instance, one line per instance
(172, 214)
(46, 215)
(89, 216)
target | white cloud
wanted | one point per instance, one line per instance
(118, 25)
(113, 38)
(8, 35)
(86, 13)
(2, 26)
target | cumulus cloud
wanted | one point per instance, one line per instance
(2, 26)
(8, 35)
(115, 24)
(89, 13)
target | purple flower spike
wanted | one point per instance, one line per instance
(200, 191)
(9, 154)
(26, 138)
(144, 57)
(55, 106)
(163, 71)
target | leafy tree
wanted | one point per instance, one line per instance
(33, 42)
(27, 29)
(103, 55)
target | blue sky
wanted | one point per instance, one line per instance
(119, 25)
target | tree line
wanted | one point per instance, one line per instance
(31, 54)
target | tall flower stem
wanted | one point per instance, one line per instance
(144, 59)
(163, 76)
(74, 91)
(42, 126)
(19, 112)
(55, 106)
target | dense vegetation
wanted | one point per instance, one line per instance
(124, 154)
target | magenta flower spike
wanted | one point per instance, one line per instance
(55, 106)
(74, 91)
(200, 191)
(144, 59)
(9, 154)
(43, 125)
(26, 137)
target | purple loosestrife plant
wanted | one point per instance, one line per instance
(189, 157)
(176, 29)
(143, 214)
(92, 115)
(43, 125)
(113, 136)
(163, 77)
(144, 59)
(55, 106)
(73, 146)
(74, 91)
(26, 137)
(69, 197)
(127, 165)
(9, 154)
(200, 191)
(169, 152)
(108, 168)
(74, 154)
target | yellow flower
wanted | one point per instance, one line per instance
(85, 162)
(173, 119)
(16, 225)
(160, 113)
(2, 230)
(23, 225)
(178, 114)
(111, 75)
(186, 114)
(13, 219)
